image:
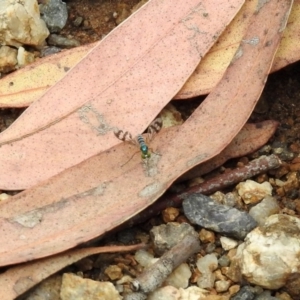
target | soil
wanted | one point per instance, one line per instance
(99, 18)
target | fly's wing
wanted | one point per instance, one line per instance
(125, 136)
(154, 128)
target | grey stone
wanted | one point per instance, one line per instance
(224, 261)
(55, 14)
(50, 50)
(164, 237)
(204, 211)
(61, 41)
(264, 209)
(245, 293)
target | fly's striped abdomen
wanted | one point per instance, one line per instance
(139, 140)
(143, 147)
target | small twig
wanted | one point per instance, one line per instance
(154, 276)
(253, 168)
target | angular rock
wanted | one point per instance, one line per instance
(270, 255)
(252, 192)
(21, 23)
(206, 265)
(24, 57)
(204, 211)
(207, 236)
(74, 287)
(193, 293)
(144, 258)
(224, 261)
(8, 59)
(164, 237)
(222, 285)
(228, 243)
(179, 278)
(114, 272)
(245, 293)
(55, 14)
(261, 211)
(61, 41)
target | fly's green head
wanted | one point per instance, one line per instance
(145, 151)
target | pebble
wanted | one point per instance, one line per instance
(231, 253)
(245, 293)
(49, 51)
(77, 288)
(114, 272)
(222, 285)
(270, 254)
(206, 265)
(224, 261)
(229, 199)
(144, 258)
(291, 184)
(193, 293)
(55, 14)
(179, 278)
(234, 289)
(207, 236)
(61, 41)
(165, 293)
(210, 247)
(31, 29)
(171, 116)
(204, 211)
(228, 243)
(261, 211)
(8, 59)
(170, 214)
(253, 192)
(165, 236)
(219, 275)
(4, 196)
(24, 57)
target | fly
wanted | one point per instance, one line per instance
(139, 140)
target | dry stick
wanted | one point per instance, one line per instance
(253, 168)
(154, 276)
